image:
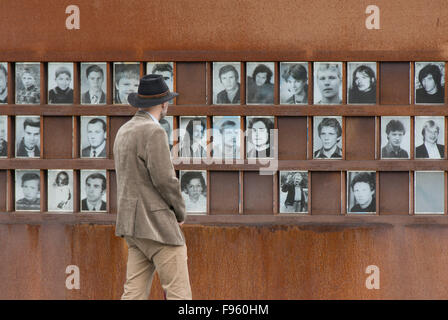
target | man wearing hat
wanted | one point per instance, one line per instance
(150, 204)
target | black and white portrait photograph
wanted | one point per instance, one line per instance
(93, 136)
(126, 80)
(28, 136)
(27, 83)
(193, 137)
(167, 124)
(165, 69)
(361, 189)
(226, 137)
(93, 190)
(361, 82)
(395, 137)
(260, 82)
(60, 190)
(259, 137)
(293, 192)
(3, 82)
(93, 82)
(27, 190)
(193, 184)
(429, 82)
(327, 137)
(429, 192)
(327, 82)
(3, 136)
(226, 82)
(60, 83)
(294, 83)
(429, 137)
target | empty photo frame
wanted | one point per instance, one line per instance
(429, 192)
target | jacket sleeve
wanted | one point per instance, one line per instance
(161, 170)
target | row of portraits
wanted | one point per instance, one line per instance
(227, 137)
(260, 82)
(293, 191)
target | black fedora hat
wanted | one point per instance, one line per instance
(152, 90)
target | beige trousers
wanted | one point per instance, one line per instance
(147, 256)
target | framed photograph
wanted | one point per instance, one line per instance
(226, 82)
(93, 191)
(28, 136)
(93, 136)
(327, 137)
(166, 69)
(27, 190)
(429, 82)
(60, 190)
(226, 137)
(93, 82)
(167, 125)
(429, 137)
(361, 191)
(60, 83)
(27, 83)
(193, 184)
(193, 137)
(327, 82)
(293, 192)
(260, 82)
(429, 192)
(3, 82)
(3, 136)
(395, 137)
(294, 83)
(260, 137)
(361, 82)
(126, 80)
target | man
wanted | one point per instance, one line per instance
(96, 134)
(30, 188)
(430, 148)
(165, 70)
(28, 146)
(228, 147)
(126, 82)
(3, 84)
(329, 80)
(228, 76)
(296, 200)
(432, 90)
(3, 142)
(330, 132)
(167, 127)
(363, 188)
(395, 131)
(95, 93)
(95, 190)
(150, 204)
(30, 93)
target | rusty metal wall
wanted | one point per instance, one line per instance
(265, 262)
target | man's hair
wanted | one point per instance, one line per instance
(330, 122)
(395, 125)
(31, 122)
(63, 70)
(31, 176)
(434, 71)
(228, 68)
(329, 66)
(190, 175)
(226, 124)
(3, 69)
(126, 72)
(267, 123)
(367, 70)
(98, 175)
(429, 124)
(297, 71)
(363, 177)
(94, 68)
(261, 68)
(162, 67)
(96, 120)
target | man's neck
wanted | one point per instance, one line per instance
(334, 99)
(94, 203)
(95, 92)
(330, 152)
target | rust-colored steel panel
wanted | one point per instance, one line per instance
(394, 192)
(394, 82)
(257, 262)
(224, 192)
(360, 138)
(292, 138)
(191, 83)
(326, 193)
(58, 137)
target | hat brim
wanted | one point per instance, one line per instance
(135, 101)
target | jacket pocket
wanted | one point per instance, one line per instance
(127, 210)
